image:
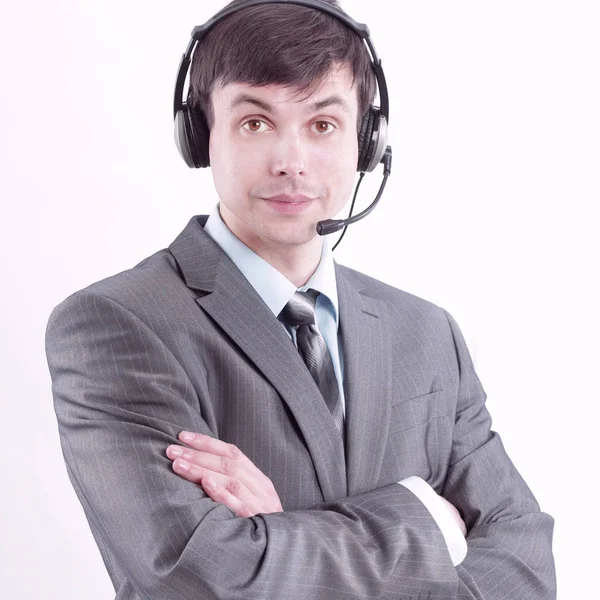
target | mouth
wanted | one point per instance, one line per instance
(291, 199)
(289, 204)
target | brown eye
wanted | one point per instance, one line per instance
(324, 127)
(253, 125)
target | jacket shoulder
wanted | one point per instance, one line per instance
(395, 297)
(154, 280)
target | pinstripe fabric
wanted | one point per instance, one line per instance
(183, 341)
(299, 312)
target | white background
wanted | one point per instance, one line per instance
(490, 212)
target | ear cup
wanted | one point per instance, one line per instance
(191, 137)
(182, 137)
(189, 134)
(372, 140)
(364, 139)
(199, 136)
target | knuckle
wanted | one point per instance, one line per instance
(235, 451)
(229, 465)
(213, 492)
(234, 486)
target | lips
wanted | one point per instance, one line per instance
(289, 204)
(292, 199)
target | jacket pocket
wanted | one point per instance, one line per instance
(407, 413)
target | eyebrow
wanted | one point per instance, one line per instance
(244, 98)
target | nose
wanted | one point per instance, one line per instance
(290, 154)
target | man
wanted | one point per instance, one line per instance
(340, 445)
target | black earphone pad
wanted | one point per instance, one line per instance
(188, 137)
(181, 137)
(364, 139)
(199, 136)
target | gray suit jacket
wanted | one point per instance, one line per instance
(183, 341)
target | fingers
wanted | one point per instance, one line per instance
(200, 441)
(220, 494)
(216, 464)
(221, 457)
(239, 484)
(199, 474)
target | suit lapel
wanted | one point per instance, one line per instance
(367, 351)
(240, 311)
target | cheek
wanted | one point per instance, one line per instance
(346, 174)
(225, 154)
(339, 163)
(342, 157)
(233, 167)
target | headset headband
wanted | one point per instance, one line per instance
(360, 28)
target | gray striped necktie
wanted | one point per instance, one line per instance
(300, 312)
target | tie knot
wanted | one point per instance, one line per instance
(300, 310)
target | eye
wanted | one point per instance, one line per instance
(254, 125)
(324, 127)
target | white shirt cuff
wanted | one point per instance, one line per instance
(455, 540)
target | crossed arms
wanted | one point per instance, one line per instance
(121, 399)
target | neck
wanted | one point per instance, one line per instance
(297, 262)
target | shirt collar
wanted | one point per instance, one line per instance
(273, 287)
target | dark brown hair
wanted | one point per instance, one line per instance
(282, 44)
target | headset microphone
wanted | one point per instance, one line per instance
(333, 225)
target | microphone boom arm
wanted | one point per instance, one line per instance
(332, 225)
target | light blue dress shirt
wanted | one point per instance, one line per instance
(276, 290)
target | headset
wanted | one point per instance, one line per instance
(191, 128)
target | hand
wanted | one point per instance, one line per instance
(455, 515)
(226, 475)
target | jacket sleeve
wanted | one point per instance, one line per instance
(509, 540)
(121, 398)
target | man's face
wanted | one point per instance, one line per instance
(265, 143)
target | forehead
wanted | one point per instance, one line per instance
(335, 91)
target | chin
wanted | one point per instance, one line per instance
(292, 234)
